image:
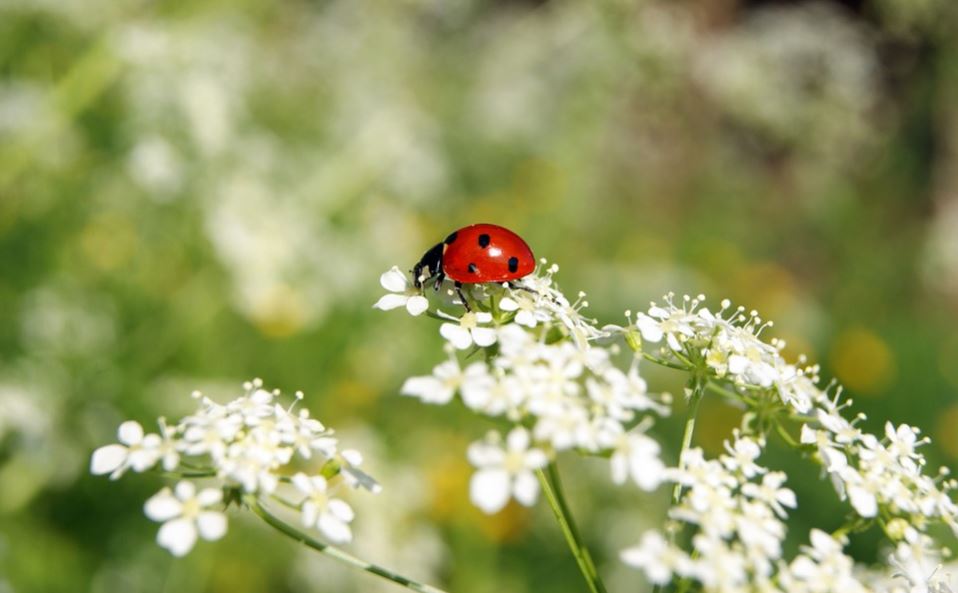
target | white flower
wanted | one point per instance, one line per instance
(528, 313)
(484, 392)
(184, 515)
(331, 515)
(138, 451)
(771, 493)
(636, 456)
(657, 558)
(252, 461)
(677, 325)
(209, 431)
(468, 331)
(821, 568)
(917, 562)
(403, 293)
(306, 435)
(833, 459)
(441, 386)
(742, 454)
(505, 472)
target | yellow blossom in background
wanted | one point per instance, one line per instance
(863, 362)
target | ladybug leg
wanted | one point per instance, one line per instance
(462, 297)
(439, 278)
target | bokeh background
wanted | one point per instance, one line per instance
(196, 193)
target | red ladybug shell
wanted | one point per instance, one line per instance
(486, 253)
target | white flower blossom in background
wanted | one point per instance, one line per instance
(402, 293)
(246, 447)
(186, 514)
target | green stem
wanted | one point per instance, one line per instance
(791, 442)
(664, 363)
(698, 390)
(697, 386)
(331, 551)
(731, 394)
(552, 487)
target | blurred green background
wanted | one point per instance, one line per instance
(196, 193)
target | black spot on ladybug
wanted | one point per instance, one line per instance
(483, 240)
(513, 264)
(473, 269)
(451, 238)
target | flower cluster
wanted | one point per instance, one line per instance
(548, 370)
(875, 473)
(543, 373)
(728, 344)
(247, 447)
(739, 519)
(738, 508)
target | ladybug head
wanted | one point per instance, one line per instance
(429, 266)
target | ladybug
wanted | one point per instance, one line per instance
(475, 254)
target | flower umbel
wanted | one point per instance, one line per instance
(244, 447)
(545, 372)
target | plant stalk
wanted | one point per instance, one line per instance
(552, 487)
(275, 522)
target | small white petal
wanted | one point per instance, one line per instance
(177, 536)
(302, 483)
(484, 336)
(388, 302)
(353, 456)
(428, 389)
(649, 328)
(482, 455)
(489, 489)
(507, 304)
(211, 525)
(184, 490)
(341, 510)
(647, 473)
(106, 459)
(130, 432)
(394, 280)
(310, 513)
(536, 458)
(518, 439)
(526, 318)
(209, 497)
(526, 488)
(162, 506)
(787, 498)
(143, 459)
(417, 305)
(620, 468)
(334, 529)
(456, 335)
(863, 501)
